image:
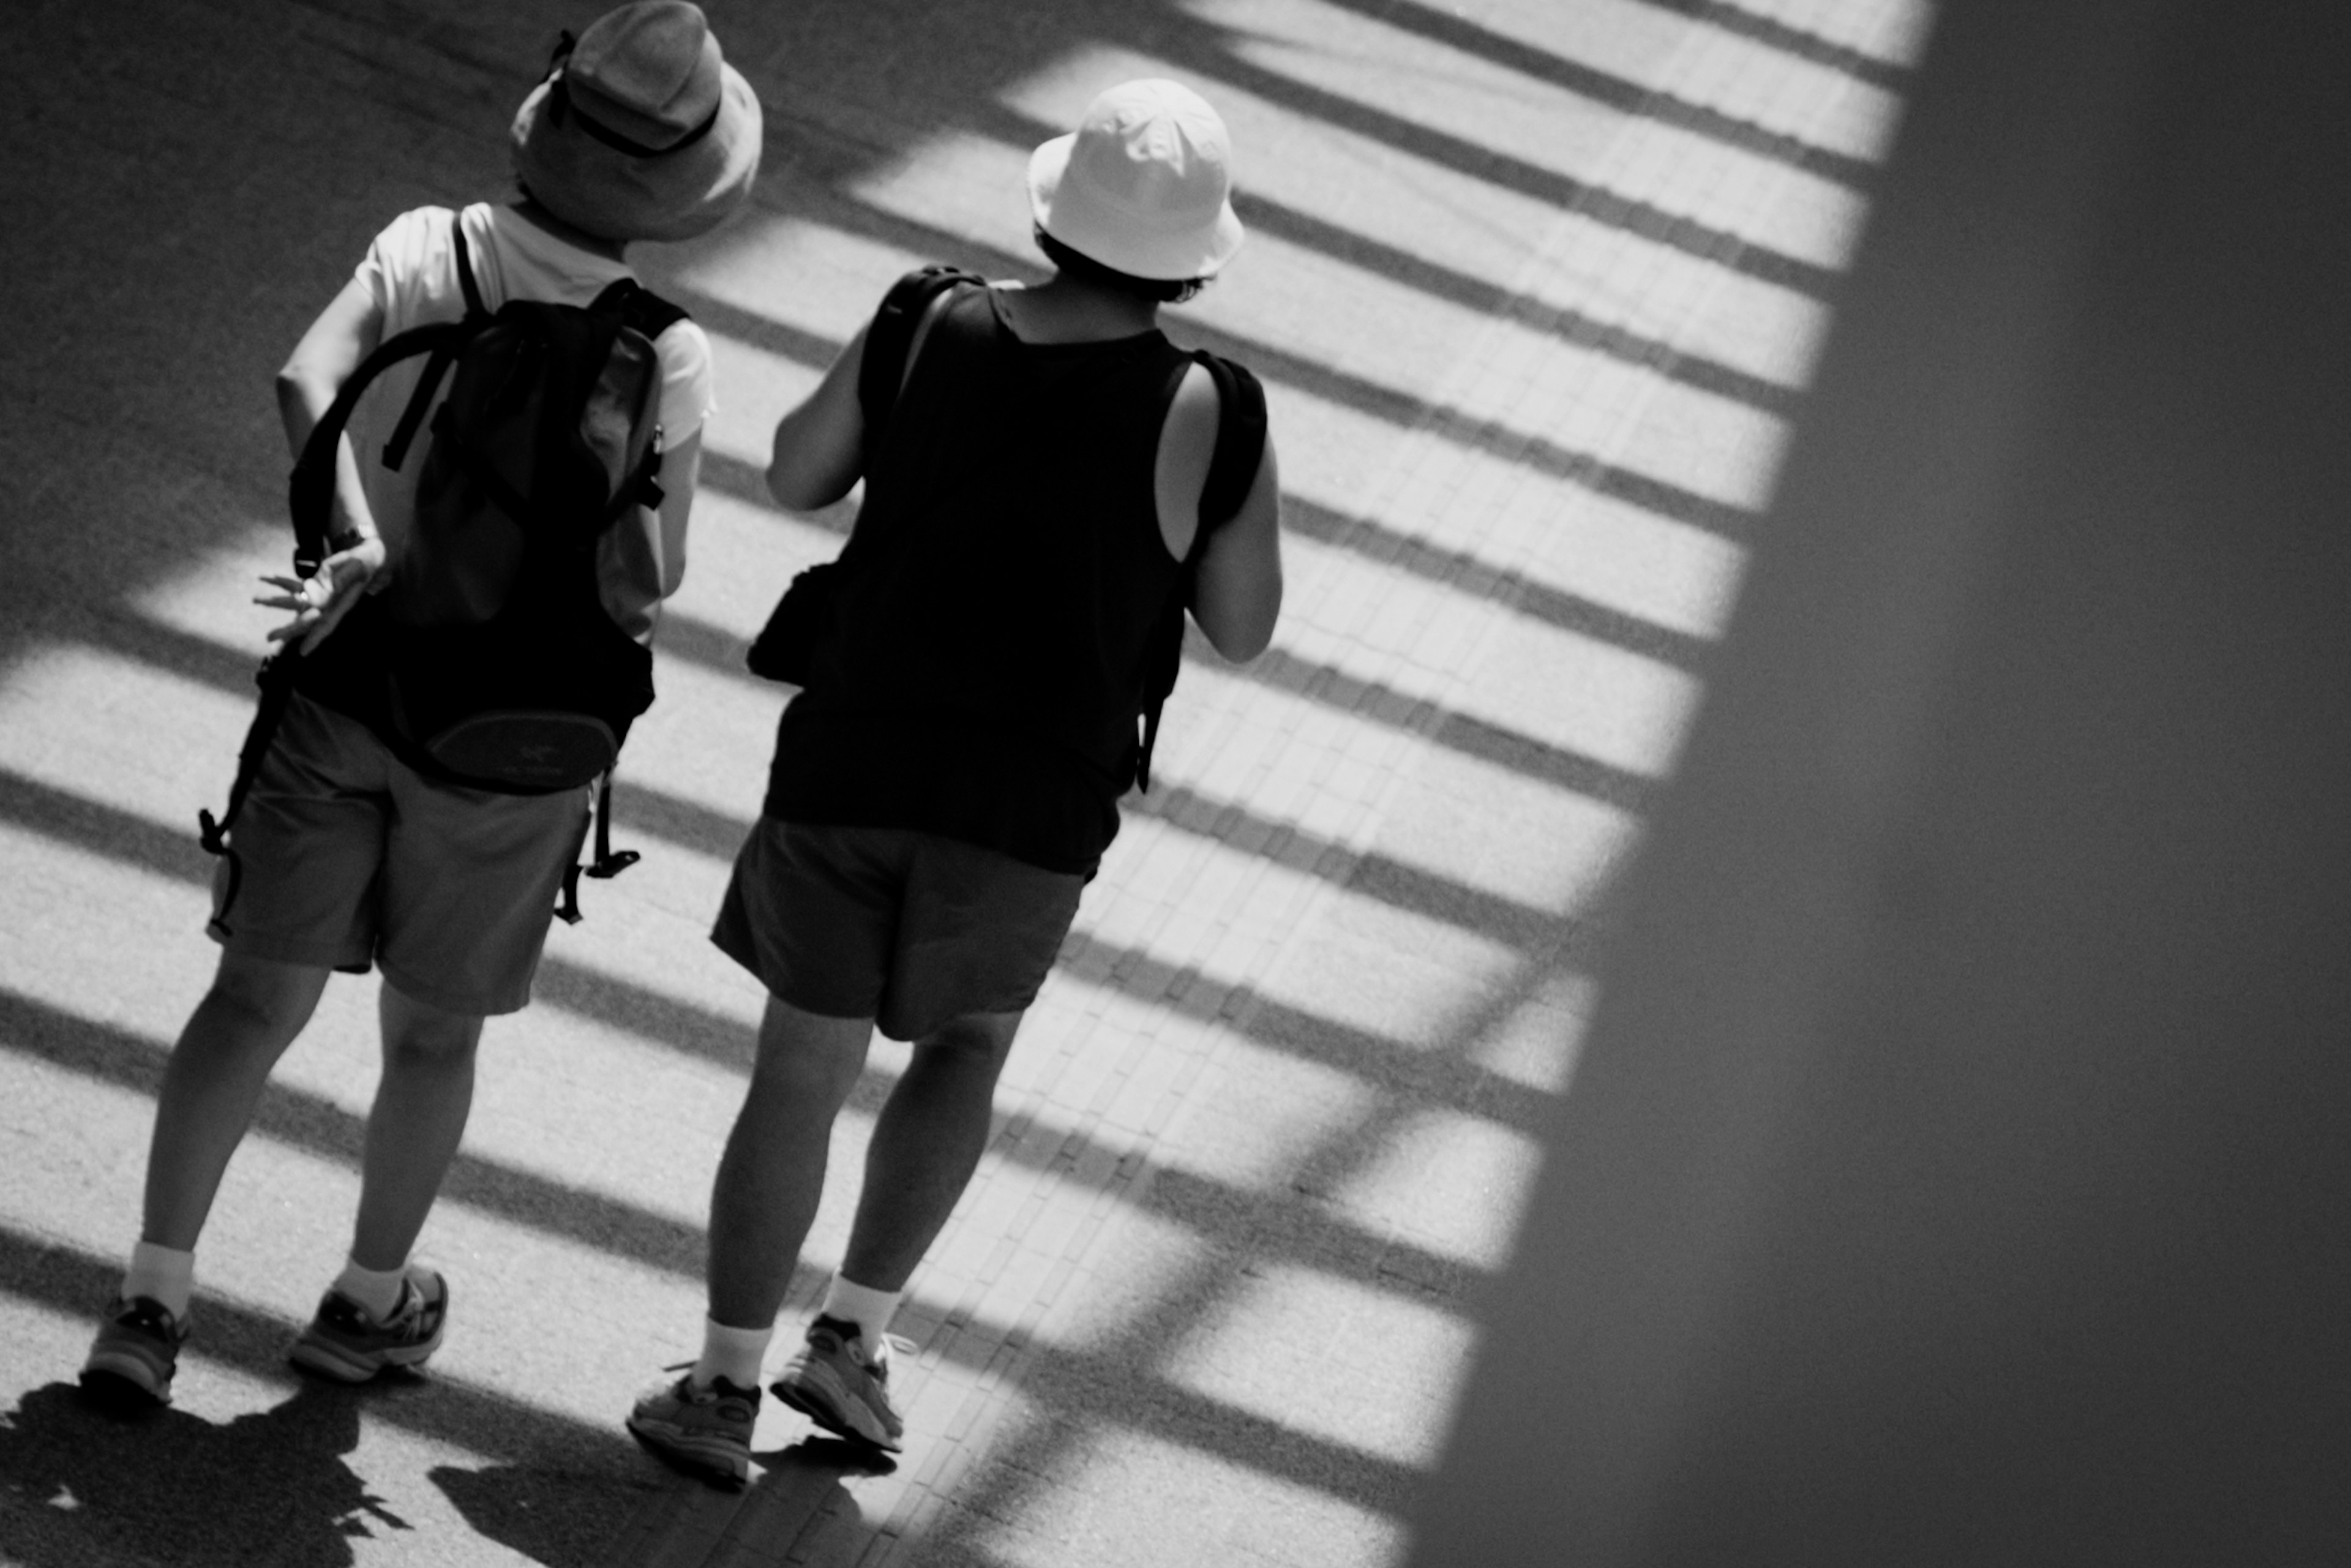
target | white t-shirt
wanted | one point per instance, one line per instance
(411, 269)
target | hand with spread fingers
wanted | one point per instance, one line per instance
(320, 601)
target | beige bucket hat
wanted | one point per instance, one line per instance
(641, 131)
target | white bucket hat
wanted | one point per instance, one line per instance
(1142, 185)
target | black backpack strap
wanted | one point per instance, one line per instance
(1232, 472)
(275, 678)
(395, 451)
(1240, 444)
(609, 862)
(311, 488)
(890, 335)
(650, 313)
(646, 312)
(474, 306)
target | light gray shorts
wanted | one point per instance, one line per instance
(347, 856)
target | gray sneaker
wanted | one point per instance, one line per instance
(137, 1350)
(831, 1381)
(347, 1344)
(706, 1432)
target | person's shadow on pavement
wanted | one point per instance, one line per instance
(572, 1519)
(562, 1518)
(81, 1487)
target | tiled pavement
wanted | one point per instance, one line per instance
(1535, 288)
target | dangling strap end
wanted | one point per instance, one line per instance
(569, 910)
(614, 864)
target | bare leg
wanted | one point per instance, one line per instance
(772, 1174)
(927, 1144)
(213, 1082)
(414, 1126)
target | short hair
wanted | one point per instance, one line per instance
(1078, 264)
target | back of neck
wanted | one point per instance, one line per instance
(595, 245)
(1065, 310)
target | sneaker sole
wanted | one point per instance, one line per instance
(328, 1359)
(817, 1394)
(711, 1458)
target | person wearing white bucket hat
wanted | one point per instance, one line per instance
(1142, 187)
(1050, 485)
(350, 851)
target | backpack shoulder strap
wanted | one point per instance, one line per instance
(474, 306)
(892, 334)
(1241, 443)
(311, 488)
(650, 313)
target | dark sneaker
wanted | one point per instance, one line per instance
(831, 1381)
(137, 1350)
(705, 1432)
(347, 1344)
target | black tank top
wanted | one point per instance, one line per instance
(984, 665)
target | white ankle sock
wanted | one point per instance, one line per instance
(732, 1353)
(377, 1290)
(869, 1309)
(162, 1275)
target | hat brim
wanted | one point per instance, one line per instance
(668, 196)
(1185, 249)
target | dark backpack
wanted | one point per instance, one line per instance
(785, 645)
(489, 660)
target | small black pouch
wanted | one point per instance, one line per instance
(788, 643)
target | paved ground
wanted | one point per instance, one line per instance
(1534, 289)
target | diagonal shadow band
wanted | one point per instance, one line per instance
(1564, 191)
(1684, 365)
(1675, 362)
(1589, 81)
(1789, 39)
(67, 1279)
(112, 1054)
(319, 1126)
(1380, 543)
(678, 1025)
(1372, 701)
(1407, 411)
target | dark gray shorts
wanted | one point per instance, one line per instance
(346, 855)
(908, 929)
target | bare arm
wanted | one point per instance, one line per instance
(681, 470)
(345, 333)
(819, 447)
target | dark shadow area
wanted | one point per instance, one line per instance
(559, 1517)
(84, 1485)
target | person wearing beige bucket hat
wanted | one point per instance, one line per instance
(1050, 485)
(641, 131)
(349, 853)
